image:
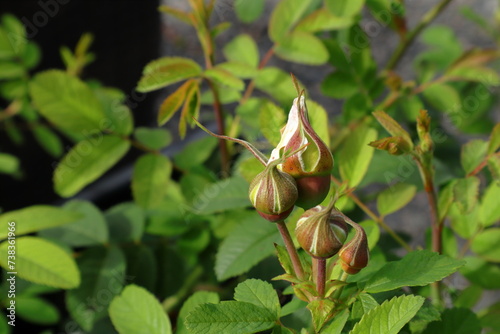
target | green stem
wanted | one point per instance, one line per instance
(343, 278)
(410, 37)
(292, 251)
(170, 302)
(320, 275)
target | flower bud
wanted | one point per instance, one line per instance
(319, 234)
(310, 167)
(354, 255)
(273, 193)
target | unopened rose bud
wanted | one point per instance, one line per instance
(273, 193)
(319, 234)
(310, 167)
(354, 255)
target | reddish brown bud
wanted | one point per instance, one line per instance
(354, 255)
(319, 234)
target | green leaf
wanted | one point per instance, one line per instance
(443, 97)
(276, 83)
(246, 245)
(9, 164)
(445, 199)
(12, 37)
(321, 20)
(302, 48)
(259, 293)
(465, 193)
(494, 167)
(355, 155)
(103, 271)
(35, 218)
(284, 16)
(224, 78)
(150, 180)
(395, 197)
(339, 85)
(494, 142)
(482, 273)
(91, 229)
(389, 317)
(86, 162)
(67, 102)
(10, 70)
(338, 323)
(489, 210)
(154, 139)
(426, 314)
(240, 70)
(118, 115)
(190, 109)
(320, 310)
(242, 49)
(174, 101)
(248, 11)
(125, 222)
(469, 296)
(230, 193)
(137, 304)
(455, 321)
(50, 142)
(249, 168)
(465, 225)
(473, 153)
(229, 317)
(37, 310)
(393, 127)
(197, 298)
(195, 153)
(344, 8)
(417, 268)
(485, 244)
(142, 265)
(271, 118)
(42, 262)
(166, 71)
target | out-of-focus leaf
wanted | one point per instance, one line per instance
(284, 16)
(166, 71)
(302, 48)
(322, 19)
(248, 11)
(155, 139)
(473, 153)
(150, 180)
(242, 49)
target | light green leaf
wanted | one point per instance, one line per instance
(240, 70)
(154, 139)
(302, 48)
(166, 71)
(103, 275)
(276, 83)
(455, 321)
(465, 225)
(224, 78)
(150, 180)
(339, 85)
(393, 127)
(195, 153)
(494, 167)
(473, 153)
(344, 8)
(494, 142)
(118, 115)
(338, 323)
(50, 142)
(35, 218)
(249, 168)
(230, 193)
(445, 199)
(318, 118)
(86, 162)
(485, 244)
(395, 197)
(174, 101)
(246, 245)
(284, 16)
(36, 310)
(271, 118)
(248, 10)
(259, 293)
(229, 317)
(482, 273)
(126, 222)
(197, 298)
(91, 229)
(190, 109)
(443, 97)
(67, 102)
(321, 20)
(9, 164)
(389, 317)
(42, 262)
(10, 70)
(137, 311)
(417, 268)
(489, 210)
(465, 193)
(355, 155)
(242, 49)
